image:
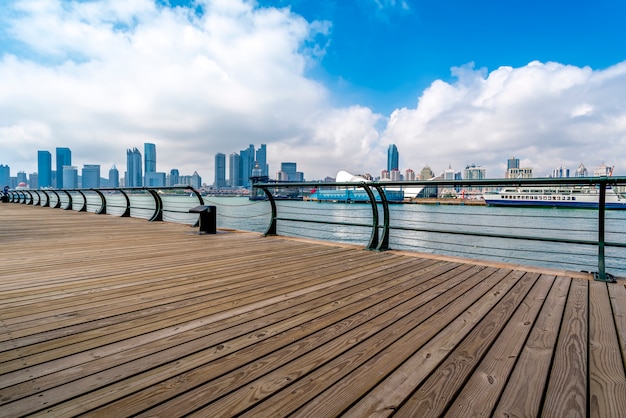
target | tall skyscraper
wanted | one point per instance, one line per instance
(70, 177)
(44, 168)
(5, 176)
(220, 170)
(392, 158)
(149, 155)
(234, 169)
(261, 159)
(133, 168)
(64, 157)
(91, 176)
(114, 177)
(246, 165)
(174, 177)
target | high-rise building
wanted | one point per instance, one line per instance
(220, 170)
(133, 168)
(91, 176)
(473, 172)
(64, 158)
(392, 158)
(149, 155)
(33, 180)
(44, 168)
(560, 172)
(234, 170)
(602, 171)
(261, 159)
(21, 177)
(154, 179)
(246, 164)
(196, 180)
(114, 177)
(5, 176)
(174, 177)
(581, 171)
(409, 175)
(70, 177)
(426, 173)
(512, 163)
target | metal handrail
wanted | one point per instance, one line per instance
(383, 243)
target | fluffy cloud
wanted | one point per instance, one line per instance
(103, 76)
(546, 114)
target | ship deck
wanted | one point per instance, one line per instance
(113, 317)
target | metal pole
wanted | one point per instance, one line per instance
(601, 275)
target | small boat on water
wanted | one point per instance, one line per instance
(568, 197)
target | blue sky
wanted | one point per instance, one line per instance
(328, 84)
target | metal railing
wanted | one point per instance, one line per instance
(153, 204)
(389, 225)
(588, 240)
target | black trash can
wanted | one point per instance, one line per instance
(208, 218)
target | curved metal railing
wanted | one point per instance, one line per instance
(577, 239)
(154, 204)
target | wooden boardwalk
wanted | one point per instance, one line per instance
(113, 317)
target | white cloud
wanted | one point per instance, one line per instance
(103, 76)
(546, 114)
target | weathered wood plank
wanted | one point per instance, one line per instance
(566, 394)
(523, 394)
(436, 394)
(607, 383)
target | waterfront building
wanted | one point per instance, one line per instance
(384, 175)
(395, 175)
(91, 176)
(289, 172)
(426, 173)
(560, 172)
(64, 158)
(44, 168)
(392, 158)
(261, 159)
(246, 164)
(33, 180)
(234, 161)
(174, 177)
(602, 171)
(520, 173)
(474, 172)
(133, 168)
(149, 155)
(196, 180)
(70, 177)
(409, 175)
(581, 171)
(114, 177)
(154, 179)
(220, 170)
(5, 176)
(21, 177)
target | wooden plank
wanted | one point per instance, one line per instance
(566, 394)
(382, 390)
(482, 391)
(607, 379)
(524, 391)
(436, 394)
(617, 294)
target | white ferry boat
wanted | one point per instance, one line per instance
(570, 197)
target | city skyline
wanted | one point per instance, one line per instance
(334, 83)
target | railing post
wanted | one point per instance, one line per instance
(602, 275)
(271, 229)
(70, 200)
(384, 241)
(373, 243)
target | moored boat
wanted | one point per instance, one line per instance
(569, 197)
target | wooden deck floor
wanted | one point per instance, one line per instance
(115, 317)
